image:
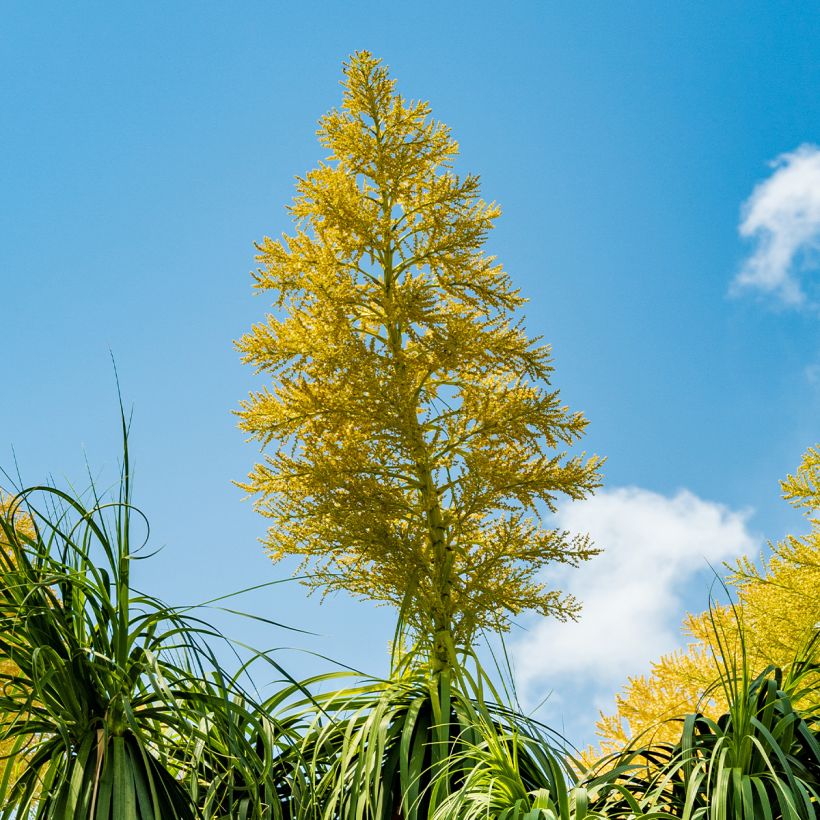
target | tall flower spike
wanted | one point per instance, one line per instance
(413, 440)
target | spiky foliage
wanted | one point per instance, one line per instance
(760, 759)
(241, 760)
(112, 703)
(513, 776)
(411, 430)
(407, 747)
(779, 611)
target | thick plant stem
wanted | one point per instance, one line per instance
(441, 550)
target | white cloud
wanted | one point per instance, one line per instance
(782, 216)
(631, 593)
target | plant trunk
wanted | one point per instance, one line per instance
(441, 551)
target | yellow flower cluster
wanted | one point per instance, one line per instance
(413, 441)
(779, 611)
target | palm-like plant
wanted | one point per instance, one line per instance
(761, 759)
(113, 703)
(512, 776)
(409, 748)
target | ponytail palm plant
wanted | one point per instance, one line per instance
(405, 748)
(111, 704)
(760, 759)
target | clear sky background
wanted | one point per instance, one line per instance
(145, 147)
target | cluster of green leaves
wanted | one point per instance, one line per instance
(758, 759)
(112, 705)
(404, 747)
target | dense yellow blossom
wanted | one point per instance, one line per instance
(23, 524)
(779, 608)
(412, 439)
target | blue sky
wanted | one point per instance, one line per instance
(147, 146)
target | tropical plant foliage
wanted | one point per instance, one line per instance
(116, 708)
(760, 759)
(778, 611)
(404, 747)
(111, 704)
